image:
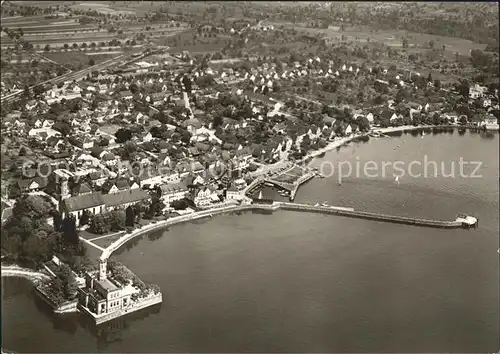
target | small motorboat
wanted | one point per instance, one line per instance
(317, 204)
(325, 204)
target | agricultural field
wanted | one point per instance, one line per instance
(103, 8)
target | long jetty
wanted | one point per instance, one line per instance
(371, 216)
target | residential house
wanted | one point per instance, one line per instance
(173, 191)
(451, 116)
(32, 185)
(81, 189)
(126, 95)
(117, 186)
(348, 130)
(204, 196)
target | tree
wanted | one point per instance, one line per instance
(133, 88)
(117, 220)
(91, 62)
(58, 221)
(405, 43)
(217, 121)
(63, 127)
(429, 77)
(84, 45)
(75, 46)
(84, 220)
(464, 89)
(122, 135)
(186, 137)
(47, 48)
(70, 233)
(22, 151)
(181, 204)
(36, 250)
(66, 46)
(431, 44)
(129, 216)
(437, 84)
(67, 277)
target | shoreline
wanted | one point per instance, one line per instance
(338, 143)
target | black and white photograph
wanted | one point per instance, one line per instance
(249, 177)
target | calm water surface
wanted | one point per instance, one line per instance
(297, 282)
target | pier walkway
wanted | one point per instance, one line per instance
(349, 212)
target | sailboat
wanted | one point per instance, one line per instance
(423, 134)
(396, 179)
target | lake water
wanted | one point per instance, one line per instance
(299, 282)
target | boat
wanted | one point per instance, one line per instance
(322, 154)
(396, 179)
(317, 204)
(325, 204)
(260, 195)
